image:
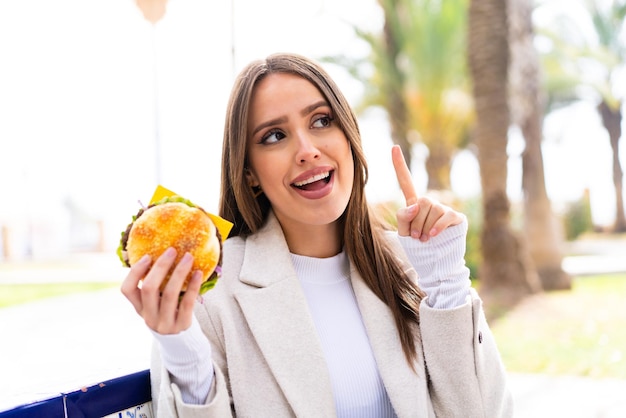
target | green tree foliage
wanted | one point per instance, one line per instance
(417, 72)
(577, 219)
(584, 60)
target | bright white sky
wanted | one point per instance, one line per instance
(79, 106)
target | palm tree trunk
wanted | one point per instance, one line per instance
(544, 233)
(506, 275)
(438, 165)
(612, 121)
(394, 84)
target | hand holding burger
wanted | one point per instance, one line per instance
(175, 222)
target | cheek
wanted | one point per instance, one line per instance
(268, 171)
(348, 168)
(350, 179)
(348, 157)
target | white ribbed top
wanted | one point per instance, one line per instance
(357, 387)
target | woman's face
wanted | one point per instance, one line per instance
(297, 153)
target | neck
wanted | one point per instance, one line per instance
(320, 241)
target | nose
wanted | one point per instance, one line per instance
(307, 149)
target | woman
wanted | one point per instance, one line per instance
(320, 311)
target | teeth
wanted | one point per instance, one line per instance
(312, 179)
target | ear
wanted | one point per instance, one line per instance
(251, 178)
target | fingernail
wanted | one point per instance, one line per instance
(433, 232)
(170, 252)
(186, 258)
(412, 208)
(415, 234)
(145, 259)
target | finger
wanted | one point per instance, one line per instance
(171, 293)
(187, 303)
(403, 175)
(404, 217)
(435, 214)
(417, 224)
(151, 287)
(130, 285)
(449, 218)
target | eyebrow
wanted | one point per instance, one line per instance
(272, 122)
(314, 106)
(283, 119)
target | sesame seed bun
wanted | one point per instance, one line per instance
(180, 225)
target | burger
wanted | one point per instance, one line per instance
(175, 222)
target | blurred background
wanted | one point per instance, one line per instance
(509, 110)
(98, 105)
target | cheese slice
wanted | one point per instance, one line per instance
(222, 224)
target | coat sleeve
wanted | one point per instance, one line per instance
(167, 400)
(166, 397)
(466, 374)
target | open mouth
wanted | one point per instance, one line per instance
(315, 182)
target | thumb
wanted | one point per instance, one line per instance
(405, 216)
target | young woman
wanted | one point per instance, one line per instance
(321, 311)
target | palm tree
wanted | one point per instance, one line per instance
(437, 81)
(419, 77)
(506, 273)
(543, 231)
(592, 64)
(384, 79)
(609, 25)
(387, 52)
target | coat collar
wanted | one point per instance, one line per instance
(275, 306)
(406, 388)
(275, 294)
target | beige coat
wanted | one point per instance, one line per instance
(269, 363)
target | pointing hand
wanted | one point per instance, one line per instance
(422, 217)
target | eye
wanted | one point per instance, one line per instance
(272, 137)
(322, 121)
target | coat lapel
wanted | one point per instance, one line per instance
(276, 311)
(406, 389)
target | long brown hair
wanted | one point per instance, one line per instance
(363, 232)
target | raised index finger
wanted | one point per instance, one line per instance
(404, 175)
